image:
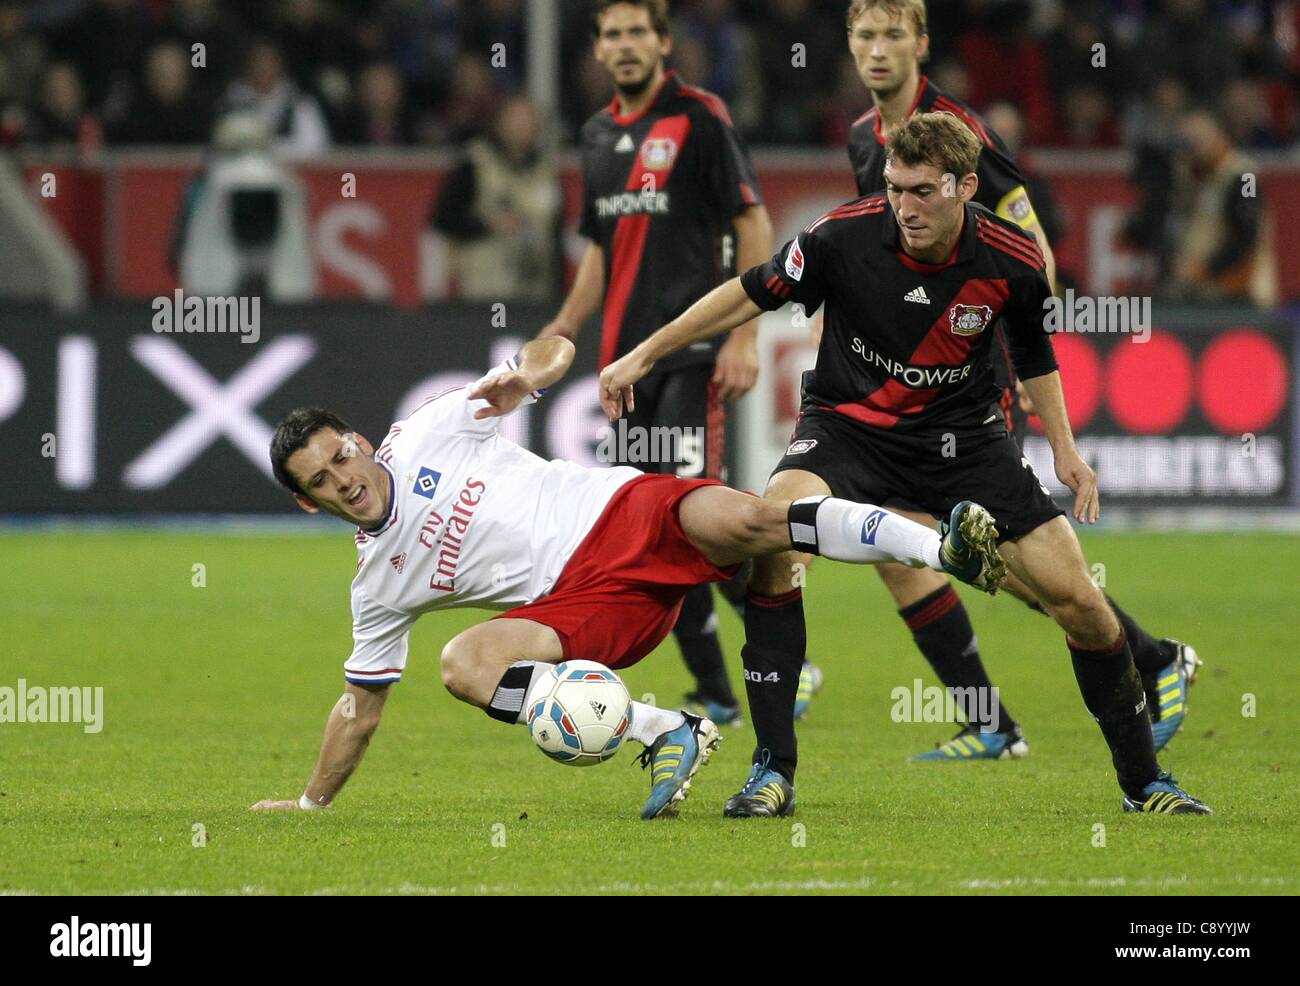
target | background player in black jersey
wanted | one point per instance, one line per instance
(902, 405)
(671, 209)
(889, 43)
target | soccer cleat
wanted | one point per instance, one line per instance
(1163, 796)
(766, 794)
(707, 708)
(673, 759)
(810, 683)
(970, 547)
(971, 744)
(1167, 693)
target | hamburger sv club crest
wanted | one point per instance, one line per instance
(969, 320)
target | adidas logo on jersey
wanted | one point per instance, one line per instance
(625, 144)
(918, 295)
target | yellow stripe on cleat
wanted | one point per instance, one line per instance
(979, 747)
(1171, 710)
(1167, 681)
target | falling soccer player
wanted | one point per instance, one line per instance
(585, 563)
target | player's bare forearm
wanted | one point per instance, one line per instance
(584, 297)
(1049, 401)
(719, 311)
(352, 722)
(754, 244)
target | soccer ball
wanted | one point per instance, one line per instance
(582, 714)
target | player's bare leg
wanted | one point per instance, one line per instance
(1049, 560)
(499, 666)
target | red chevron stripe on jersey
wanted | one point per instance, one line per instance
(884, 406)
(863, 207)
(631, 232)
(1017, 245)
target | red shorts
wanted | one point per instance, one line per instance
(621, 592)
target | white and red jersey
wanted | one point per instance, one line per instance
(475, 520)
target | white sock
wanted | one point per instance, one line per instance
(650, 722)
(863, 533)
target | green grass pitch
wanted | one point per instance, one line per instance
(215, 697)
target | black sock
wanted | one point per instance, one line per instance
(942, 631)
(697, 635)
(775, 640)
(1149, 654)
(1112, 692)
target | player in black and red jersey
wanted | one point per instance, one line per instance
(889, 44)
(670, 207)
(902, 405)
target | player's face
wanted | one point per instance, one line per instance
(928, 206)
(341, 478)
(887, 50)
(629, 47)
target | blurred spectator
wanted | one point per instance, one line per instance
(731, 58)
(380, 117)
(469, 104)
(1084, 51)
(1005, 62)
(313, 43)
(294, 118)
(60, 117)
(105, 40)
(1191, 42)
(487, 23)
(1219, 237)
(167, 110)
(797, 83)
(501, 210)
(1246, 113)
(191, 22)
(1086, 119)
(22, 59)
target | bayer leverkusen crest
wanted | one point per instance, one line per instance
(969, 320)
(659, 153)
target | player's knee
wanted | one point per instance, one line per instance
(457, 663)
(1078, 606)
(756, 518)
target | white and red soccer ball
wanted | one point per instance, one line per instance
(581, 713)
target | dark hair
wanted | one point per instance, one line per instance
(293, 433)
(657, 9)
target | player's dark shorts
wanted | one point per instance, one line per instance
(678, 427)
(874, 466)
(621, 592)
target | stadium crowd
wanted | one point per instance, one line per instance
(422, 72)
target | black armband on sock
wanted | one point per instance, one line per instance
(508, 700)
(802, 520)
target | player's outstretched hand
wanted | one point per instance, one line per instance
(503, 390)
(276, 806)
(736, 369)
(1079, 477)
(616, 382)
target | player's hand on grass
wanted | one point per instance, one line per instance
(504, 391)
(1078, 476)
(736, 369)
(267, 805)
(616, 382)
